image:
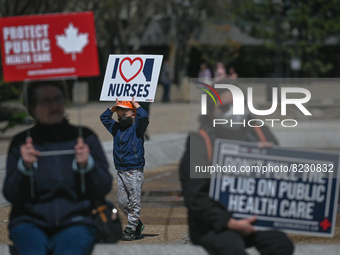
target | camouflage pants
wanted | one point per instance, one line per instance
(129, 184)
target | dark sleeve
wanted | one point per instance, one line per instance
(16, 185)
(252, 136)
(142, 120)
(196, 190)
(269, 135)
(99, 179)
(106, 119)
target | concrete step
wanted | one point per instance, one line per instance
(189, 249)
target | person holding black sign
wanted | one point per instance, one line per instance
(53, 176)
(210, 223)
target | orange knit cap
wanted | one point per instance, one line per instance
(124, 104)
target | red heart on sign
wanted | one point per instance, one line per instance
(131, 63)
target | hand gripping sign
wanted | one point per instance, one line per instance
(129, 76)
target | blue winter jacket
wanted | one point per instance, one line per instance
(128, 142)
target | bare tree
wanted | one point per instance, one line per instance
(27, 7)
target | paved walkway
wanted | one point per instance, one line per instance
(169, 126)
(164, 119)
(171, 118)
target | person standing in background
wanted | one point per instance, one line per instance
(220, 72)
(165, 80)
(232, 74)
(204, 72)
(146, 107)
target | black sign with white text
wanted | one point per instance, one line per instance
(292, 190)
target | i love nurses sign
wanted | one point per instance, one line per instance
(47, 46)
(129, 76)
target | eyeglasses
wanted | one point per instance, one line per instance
(51, 101)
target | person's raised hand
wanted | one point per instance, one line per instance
(112, 108)
(134, 103)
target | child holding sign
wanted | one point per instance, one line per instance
(128, 154)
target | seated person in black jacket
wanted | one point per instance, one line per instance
(51, 202)
(210, 223)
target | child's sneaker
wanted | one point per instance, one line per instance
(128, 235)
(139, 230)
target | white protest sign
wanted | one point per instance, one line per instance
(129, 76)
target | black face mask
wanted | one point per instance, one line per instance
(125, 121)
